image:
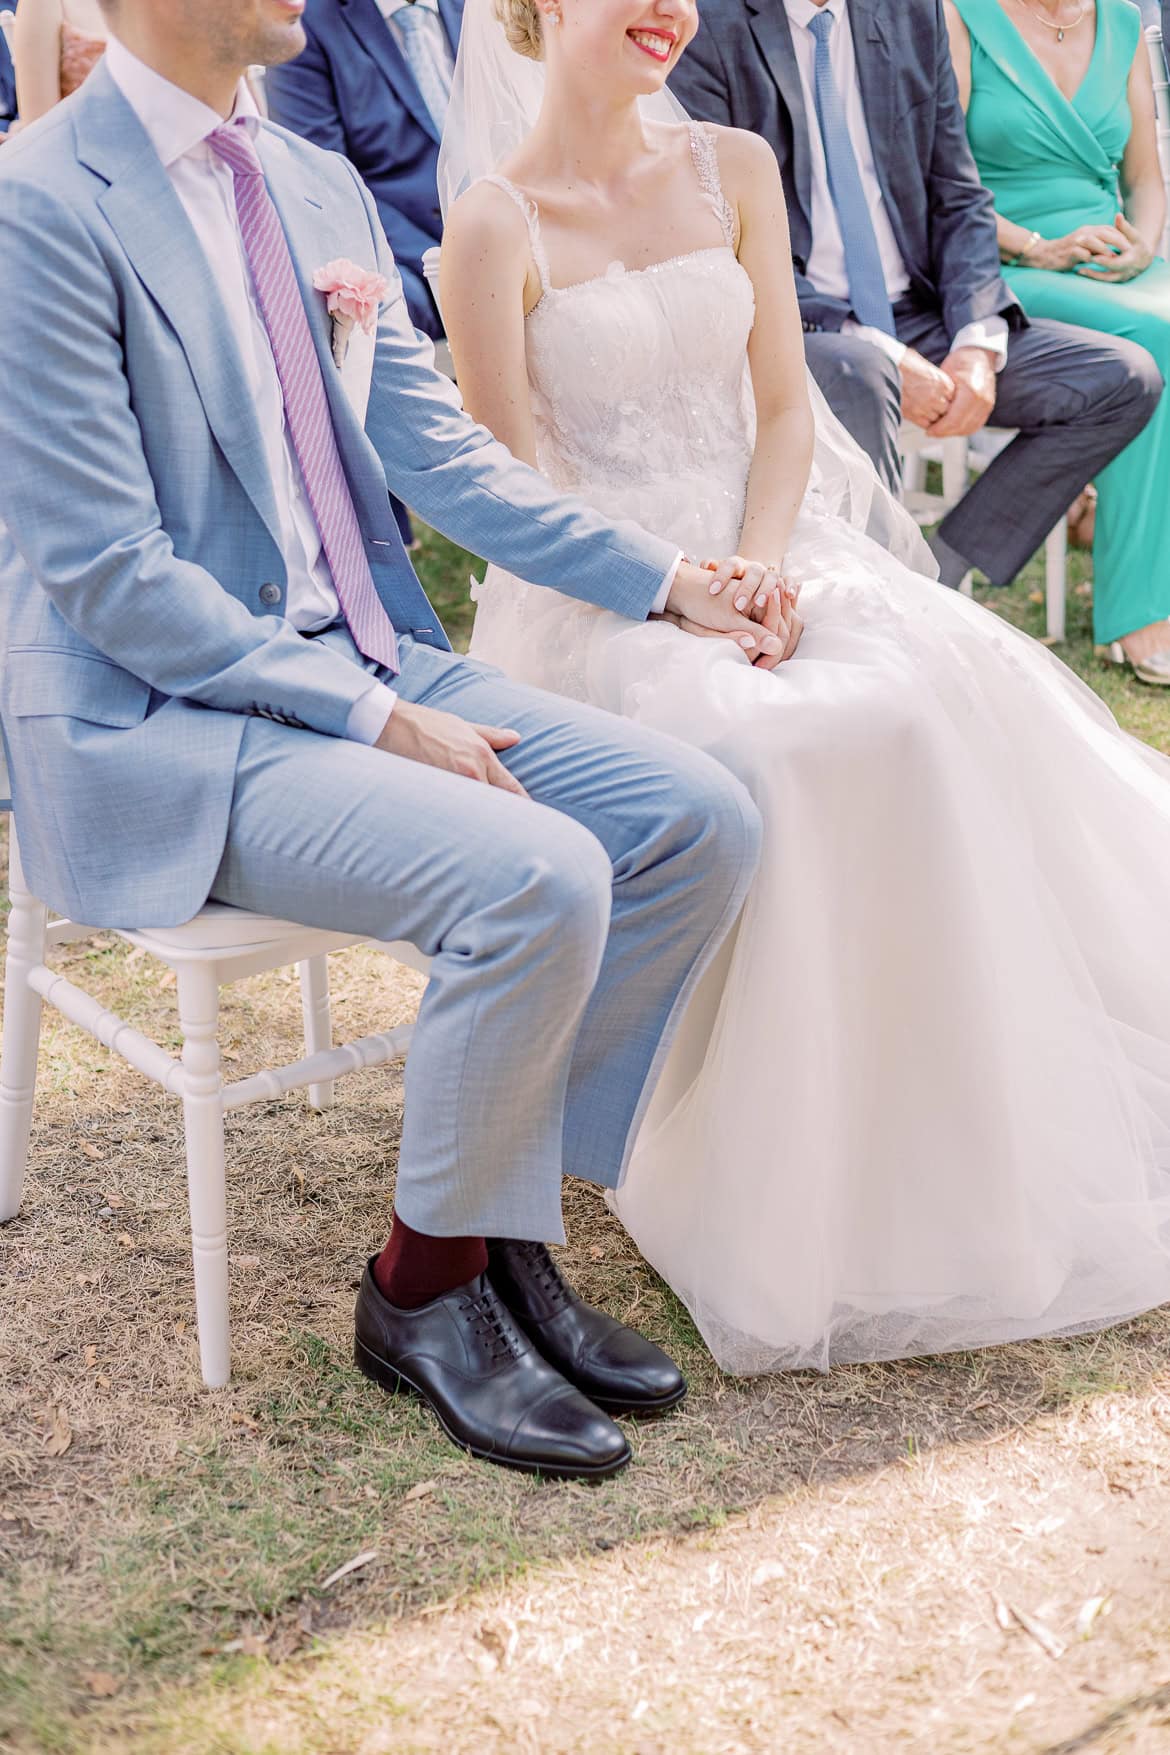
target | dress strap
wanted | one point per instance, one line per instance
(706, 157)
(531, 214)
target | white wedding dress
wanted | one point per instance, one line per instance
(922, 1102)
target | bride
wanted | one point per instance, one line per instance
(923, 1100)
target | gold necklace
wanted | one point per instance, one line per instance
(1048, 24)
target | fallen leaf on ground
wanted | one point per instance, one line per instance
(89, 1149)
(1089, 1612)
(101, 1684)
(124, 1240)
(90, 1358)
(247, 1262)
(60, 1434)
(358, 1561)
(250, 1645)
(1044, 1636)
(115, 1201)
(423, 1490)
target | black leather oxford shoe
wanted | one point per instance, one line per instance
(488, 1387)
(618, 1369)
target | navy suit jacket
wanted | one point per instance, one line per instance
(352, 91)
(7, 83)
(741, 71)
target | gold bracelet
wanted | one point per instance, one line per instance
(1017, 259)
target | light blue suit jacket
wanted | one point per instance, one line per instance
(139, 523)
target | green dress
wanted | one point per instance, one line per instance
(1052, 164)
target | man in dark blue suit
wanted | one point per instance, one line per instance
(906, 314)
(373, 84)
(7, 81)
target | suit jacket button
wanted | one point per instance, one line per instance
(270, 593)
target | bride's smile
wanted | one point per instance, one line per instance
(658, 44)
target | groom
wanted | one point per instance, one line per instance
(221, 677)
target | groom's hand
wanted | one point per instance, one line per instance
(701, 597)
(441, 740)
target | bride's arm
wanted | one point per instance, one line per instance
(784, 436)
(487, 284)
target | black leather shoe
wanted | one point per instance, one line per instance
(486, 1384)
(616, 1368)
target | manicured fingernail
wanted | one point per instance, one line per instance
(761, 600)
(747, 642)
(715, 588)
(771, 645)
(741, 604)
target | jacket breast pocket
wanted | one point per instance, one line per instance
(40, 683)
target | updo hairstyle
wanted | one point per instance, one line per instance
(522, 27)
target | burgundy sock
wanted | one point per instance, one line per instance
(414, 1268)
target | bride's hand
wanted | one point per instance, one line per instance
(779, 616)
(753, 581)
(700, 603)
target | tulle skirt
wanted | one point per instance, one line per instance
(922, 1100)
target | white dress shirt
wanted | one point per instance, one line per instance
(826, 264)
(178, 125)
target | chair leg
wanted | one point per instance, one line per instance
(198, 986)
(955, 470)
(22, 1029)
(318, 1025)
(1056, 578)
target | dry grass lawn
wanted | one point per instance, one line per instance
(939, 1556)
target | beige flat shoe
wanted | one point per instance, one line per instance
(1154, 670)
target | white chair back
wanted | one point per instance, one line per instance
(1161, 76)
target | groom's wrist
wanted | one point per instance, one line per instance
(370, 714)
(667, 586)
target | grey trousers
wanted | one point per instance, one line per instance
(1077, 398)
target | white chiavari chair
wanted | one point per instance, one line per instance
(220, 946)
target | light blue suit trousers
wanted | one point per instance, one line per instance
(566, 930)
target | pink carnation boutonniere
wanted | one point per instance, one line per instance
(353, 296)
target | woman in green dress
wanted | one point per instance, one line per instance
(1060, 115)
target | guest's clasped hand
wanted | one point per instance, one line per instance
(1126, 255)
(949, 401)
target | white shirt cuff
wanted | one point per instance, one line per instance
(890, 345)
(991, 334)
(659, 604)
(369, 713)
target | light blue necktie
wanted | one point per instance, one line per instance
(863, 262)
(423, 54)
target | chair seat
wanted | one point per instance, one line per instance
(219, 928)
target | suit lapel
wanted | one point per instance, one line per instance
(374, 36)
(875, 75)
(152, 227)
(773, 36)
(451, 12)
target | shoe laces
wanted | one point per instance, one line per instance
(545, 1274)
(493, 1327)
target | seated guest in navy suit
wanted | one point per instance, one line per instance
(7, 88)
(373, 84)
(906, 313)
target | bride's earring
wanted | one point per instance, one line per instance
(553, 16)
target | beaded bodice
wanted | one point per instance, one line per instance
(640, 392)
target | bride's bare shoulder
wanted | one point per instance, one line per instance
(741, 153)
(487, 217)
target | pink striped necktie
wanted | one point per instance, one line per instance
(306, 405)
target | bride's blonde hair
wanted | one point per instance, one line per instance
(521, 22)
